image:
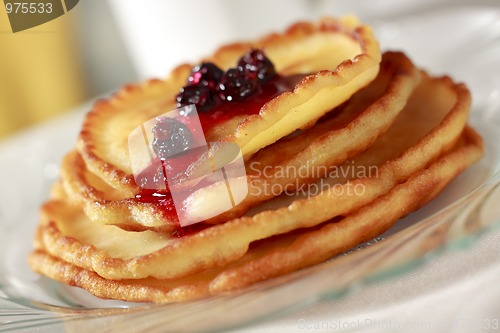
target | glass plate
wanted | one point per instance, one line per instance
(463, 41)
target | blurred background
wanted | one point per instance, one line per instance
(102, 44)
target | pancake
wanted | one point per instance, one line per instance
(272, 257)
(336, 57)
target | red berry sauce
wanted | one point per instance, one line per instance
(226, 110)
(219, 97)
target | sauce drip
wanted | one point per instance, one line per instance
(224, 110)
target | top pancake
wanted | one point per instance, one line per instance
(341, 56)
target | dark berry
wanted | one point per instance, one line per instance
(171, 137)
(256, 65)
(235, 85)
(200, 96)
(206, 74)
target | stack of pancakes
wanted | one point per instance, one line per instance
(394, 135)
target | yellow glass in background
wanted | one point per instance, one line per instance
(40, 72)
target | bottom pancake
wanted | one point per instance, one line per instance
(280, 254)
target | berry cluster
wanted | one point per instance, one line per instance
(208, 85)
